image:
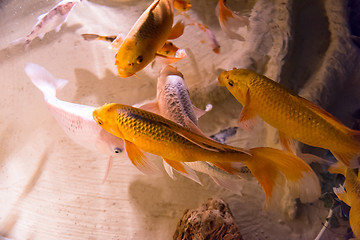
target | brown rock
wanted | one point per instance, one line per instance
(213, 220)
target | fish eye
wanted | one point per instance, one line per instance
(139, 59)
(100, 122)
(117, 150)
(231, 83)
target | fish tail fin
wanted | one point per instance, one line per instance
(44, 80)
(270, 166)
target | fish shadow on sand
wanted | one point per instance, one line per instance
(112, 88)
(160, 202)
(18, 49)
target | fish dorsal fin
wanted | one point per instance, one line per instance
(320, 111)
(151, 107)
(41, 16)
(140, 161)
(154, 5)
(207, 143)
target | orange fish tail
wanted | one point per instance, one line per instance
(274, 168)
(354, 218)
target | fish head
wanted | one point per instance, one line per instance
(236, 81)
(67, 5)
(106, 117)
(132, 57)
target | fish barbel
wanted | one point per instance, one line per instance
(143, 130)
(145, 38)
(293, 116)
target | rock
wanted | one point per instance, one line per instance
(213, 220)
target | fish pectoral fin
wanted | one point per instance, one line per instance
(227, 167)
(108, 167)
(116, 43)
(287, 143)
(199, 112)
(169, 170)
(338, 168)
(341, 194)
(183, 169)
(351, 160)
(247, 118)
(151, 107)
(140, 161)
(233, 185)
(177, 30)
(167, 60)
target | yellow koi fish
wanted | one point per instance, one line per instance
(293, 116)
(145, 38)
(143, 130)
(350, 196)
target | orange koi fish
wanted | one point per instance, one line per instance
(350, 196)
(145, 38)
(229, 21)
(293, 116)
(143, 130)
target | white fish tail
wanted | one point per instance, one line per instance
(44, 80)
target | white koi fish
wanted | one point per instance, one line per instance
(173, 102)
(49, 21)
(75, 119)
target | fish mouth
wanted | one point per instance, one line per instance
(221, 78)
(124, 74)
